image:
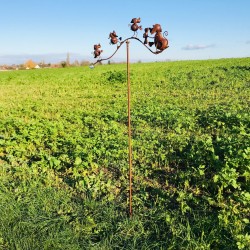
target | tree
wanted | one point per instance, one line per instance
(63, 64)
(30, 64)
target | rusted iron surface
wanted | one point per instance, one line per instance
(97, 50)
(134, 27)
(129, 132)
(160, 41)
(152, 36)
(114, 38)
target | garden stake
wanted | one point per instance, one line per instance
(161, 43)
(129, 133)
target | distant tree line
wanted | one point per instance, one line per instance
(30, 64)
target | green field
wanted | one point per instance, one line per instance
(64, 157)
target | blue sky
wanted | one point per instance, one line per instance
(48, 29)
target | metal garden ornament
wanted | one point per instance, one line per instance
(159, 40)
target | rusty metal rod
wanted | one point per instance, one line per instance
(129, 132)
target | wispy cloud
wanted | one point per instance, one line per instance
(198, 46)
(248, 42)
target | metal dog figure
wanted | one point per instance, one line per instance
(134, 27)
(160, 41)
(114, 38)
(97, 51)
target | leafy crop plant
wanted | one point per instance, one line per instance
(63, 157)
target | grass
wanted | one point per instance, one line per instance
(63, 157)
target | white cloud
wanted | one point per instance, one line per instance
(197, 46)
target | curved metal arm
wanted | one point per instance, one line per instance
(154, 52)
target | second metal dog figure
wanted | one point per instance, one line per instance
(114, 38)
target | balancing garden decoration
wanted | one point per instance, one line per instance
(161, 43)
